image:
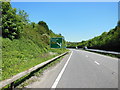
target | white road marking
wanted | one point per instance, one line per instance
(86, 56)
(97, 63)
(60, 74)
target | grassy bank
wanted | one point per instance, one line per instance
(20, 55)
(24, 43)
(32, 77)
(37, 74)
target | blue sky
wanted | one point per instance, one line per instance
(65, 0)
(76, 21)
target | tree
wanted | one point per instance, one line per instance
(118, 24)
(24, 16)
(42, 23)
(12, 24)
(60, 34)
(33, 24)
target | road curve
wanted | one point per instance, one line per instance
(81, 69)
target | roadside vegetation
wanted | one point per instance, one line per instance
(106, 41)
(24, 43)
(36, 74)
(33, 76)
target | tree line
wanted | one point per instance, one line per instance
(106, 41)
(15, 21)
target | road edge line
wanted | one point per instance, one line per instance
(61, 73)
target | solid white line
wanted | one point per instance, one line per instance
(97, 62)
(60, 74)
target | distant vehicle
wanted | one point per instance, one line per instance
(76, 47)
(85, 47)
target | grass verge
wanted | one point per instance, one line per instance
(20, 83)
(20, 55)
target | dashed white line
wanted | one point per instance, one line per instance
(97, 63)
(60, 74)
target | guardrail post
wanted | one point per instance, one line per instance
(12, 86)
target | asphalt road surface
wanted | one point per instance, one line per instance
(81, 69)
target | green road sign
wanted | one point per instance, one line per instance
(56, 42)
